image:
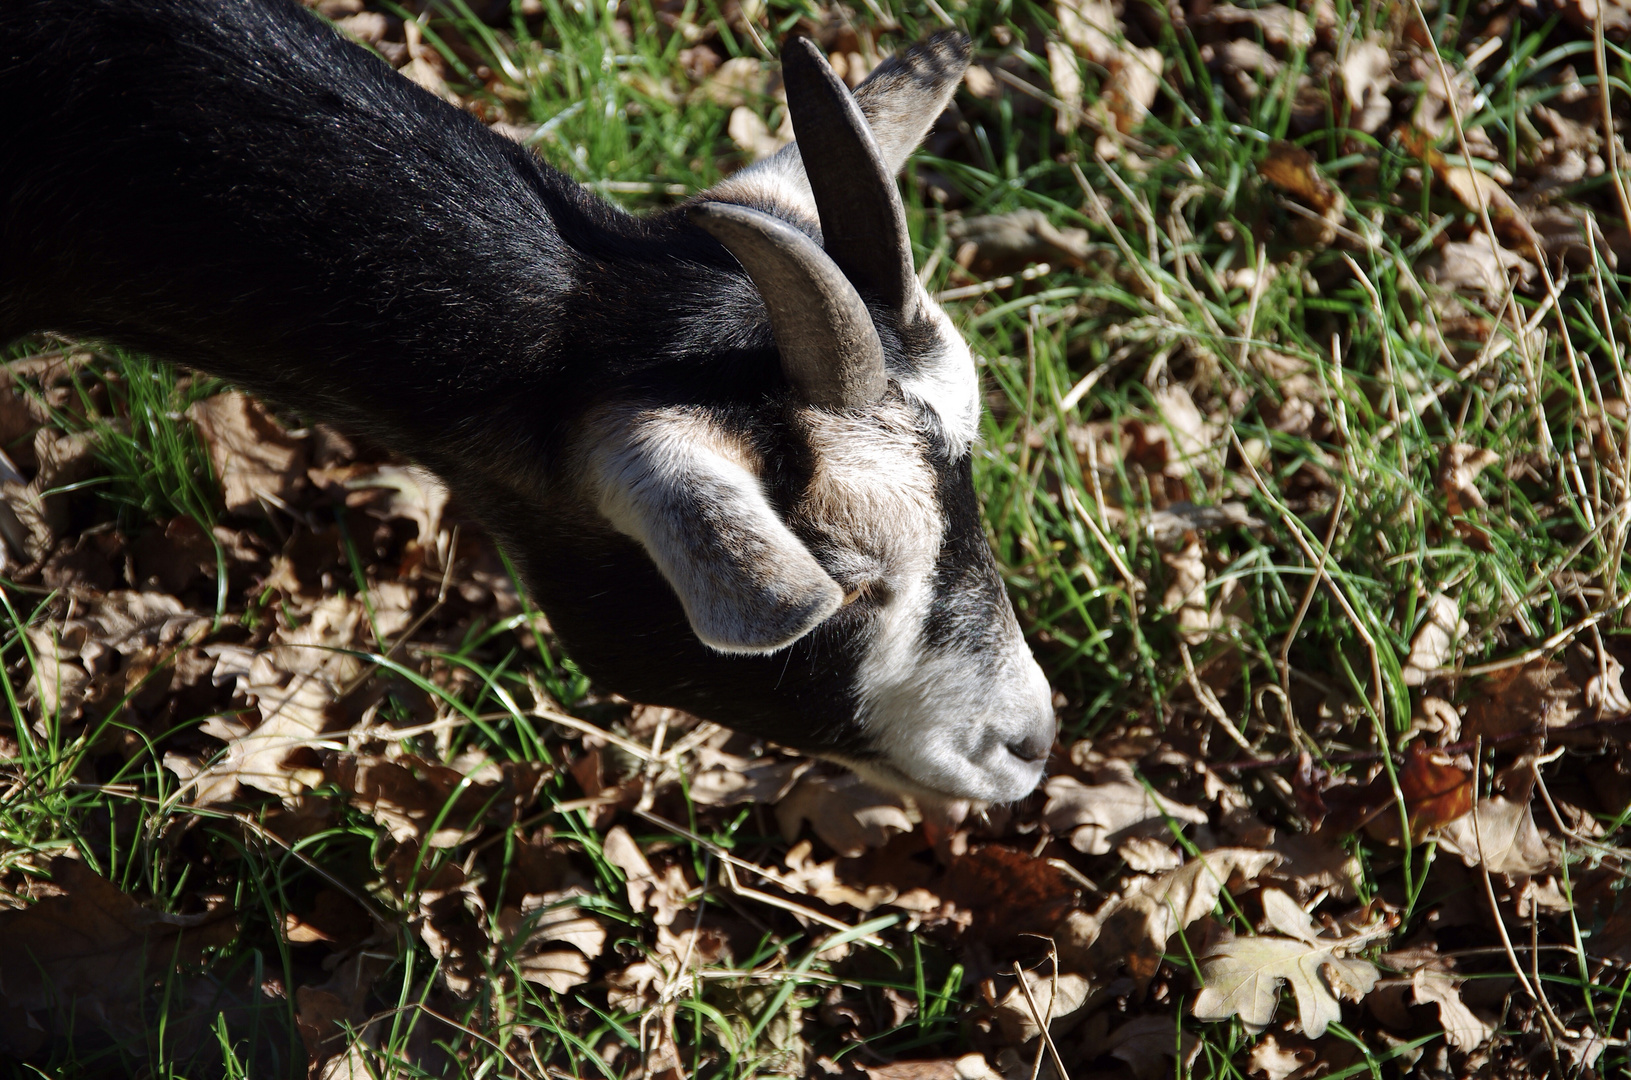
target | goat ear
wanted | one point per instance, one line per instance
(683, 489)
(906, 93)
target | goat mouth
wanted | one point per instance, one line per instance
(886, 777)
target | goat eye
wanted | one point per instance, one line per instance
(872, 590)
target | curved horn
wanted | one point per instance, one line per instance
(829, 348)
(863, 224)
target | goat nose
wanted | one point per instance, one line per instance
(1034, 747)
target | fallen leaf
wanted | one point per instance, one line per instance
(1367, 74)
(993, 244)
(1292, 169)
(1501, 835)
(1185, 596)
(1433, 647)
(91, 956)
(1459, 466)
(1269, 1059)
(1053, 999)
(748, 131)
(1242, 976)
(847, 814)
(1096, 815)
(253, 457)
(1153, 1046)
(1533, 698)
(1134, 928)
(967, 1067)
(1478, 265)
(1066, 76)
(1435, 790)
(665, 897)
(1464, 1029)
(723, 779)
(295, 685)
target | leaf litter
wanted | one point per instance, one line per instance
(1142, 876)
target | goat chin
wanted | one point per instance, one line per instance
(728, 445)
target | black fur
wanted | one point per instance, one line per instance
(230, 185)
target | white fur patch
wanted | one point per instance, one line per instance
(941, 721)
(945, 380)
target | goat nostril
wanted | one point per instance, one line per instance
(1032, 748)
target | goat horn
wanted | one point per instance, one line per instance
(829, 348)
(863, 224)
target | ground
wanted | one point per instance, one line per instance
(1305, 460)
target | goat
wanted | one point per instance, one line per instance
(727, 446)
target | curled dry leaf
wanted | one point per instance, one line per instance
(1292, 169)
(1433, 646)
(1186, 593)
(1097, 815)
(674, 956)
(1459, 466)
(1367, 74)
(1477, 264)
(1056, 998)
(295, 685)
(1436, 790)
(410, 795)
(1500, 834)
(1464, 1029)
(843, 811)
(1136, 926)
(665, 897)
(724, 779)
(1066, 75)
(253, 457)
(552, 919)
(1242, 977)
(1275, 1062)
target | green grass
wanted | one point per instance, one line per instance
(1355, 536)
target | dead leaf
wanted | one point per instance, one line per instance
(748, 131)
(1269, 1059)
(1186, 593)
(1315, 862)
(295, 685)
(664, 896)
(1433, 647)
(724, 779)
(1153, 1046)
(1459, 466)
(967, 1067)
(1435, 790)
(1478, 265)
(1066, 76)
(1501, 835)
(1367, 75)
(1096, 815)
(847, 814)
(1056, 999)
(91, 955)
(1242, 977)
(1292, 169)
(1135, 927)
(1535, 697)
(1464, 1029)
(1133, 74)
(253, 457)
(993, 244)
